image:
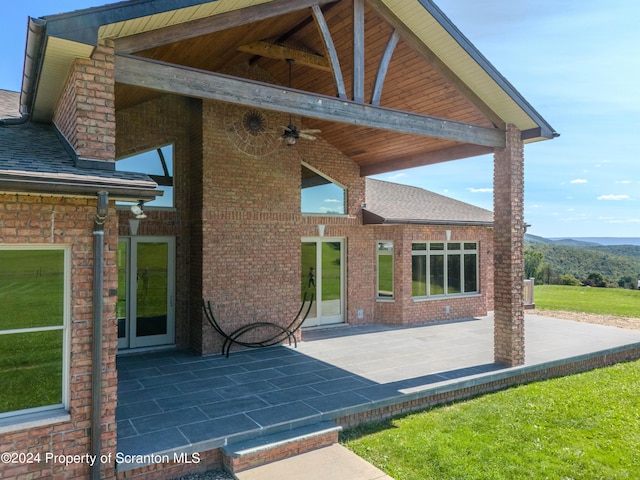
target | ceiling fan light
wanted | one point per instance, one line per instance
(290, 139)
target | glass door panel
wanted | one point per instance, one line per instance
(308, 280)
(122, 261)
(323, 273)
(331, 278)
(152, 291)
(146, 286)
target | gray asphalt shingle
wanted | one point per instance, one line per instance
(388, 202)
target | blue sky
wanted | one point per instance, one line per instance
(576, 62)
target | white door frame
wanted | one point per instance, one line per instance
(130, 340)
(323, 314)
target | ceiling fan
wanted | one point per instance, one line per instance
(291, 133)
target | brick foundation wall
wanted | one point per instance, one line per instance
(188, 465)
(459, 394)
(33, 219)
(291, 449)
(509, 250)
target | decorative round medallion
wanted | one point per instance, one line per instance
(251, 131)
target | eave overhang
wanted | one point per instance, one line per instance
(28, 182)
(370, 218)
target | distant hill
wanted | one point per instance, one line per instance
(580, 257)
(573, 242)
(605, 240)
(610, 261)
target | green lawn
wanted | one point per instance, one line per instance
(612, 301)
(585, 426)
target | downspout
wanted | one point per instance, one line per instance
(98, 308)
(31, 70)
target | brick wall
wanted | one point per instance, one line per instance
(404, 310)
(150, 125)
(33, 219)
(85, 114)
(508, 184)
(238, 225)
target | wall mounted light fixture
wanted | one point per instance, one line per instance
(138, 211)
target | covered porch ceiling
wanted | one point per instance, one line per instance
(391, 84)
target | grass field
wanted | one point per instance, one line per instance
(579, 427)
(31, 298)
(606, 301)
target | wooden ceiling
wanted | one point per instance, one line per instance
(412, 84)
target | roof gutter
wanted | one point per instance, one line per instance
(31, 70)
(453, 223)
(118, 192)
(370, 218)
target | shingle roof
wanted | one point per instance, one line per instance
(9, 102)
(33, 158)
(388, 202)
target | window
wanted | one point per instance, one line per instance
(385, 270)
(319, 195)
(441, 269)
(158, 164)
(34, 294)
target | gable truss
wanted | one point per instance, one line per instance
(164, 36)
(196, 83)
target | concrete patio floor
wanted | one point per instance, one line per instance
(174, 401)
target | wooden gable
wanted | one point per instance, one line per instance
(350, 68)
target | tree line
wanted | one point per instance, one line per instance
(596, 266)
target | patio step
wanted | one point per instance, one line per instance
(240, 456)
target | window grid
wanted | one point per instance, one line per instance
(441, 269)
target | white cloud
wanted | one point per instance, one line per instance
(624, 182)
(480, 190)
(624, 221)
(614, 197)
(397, 176)
(332, 200)
(578, 180)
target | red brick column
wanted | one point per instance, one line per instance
(508, 182)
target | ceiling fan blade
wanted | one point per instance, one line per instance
(306, 135)
(289, 128)
(311, 130)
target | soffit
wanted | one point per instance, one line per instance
(58, 57)
(174, 17)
